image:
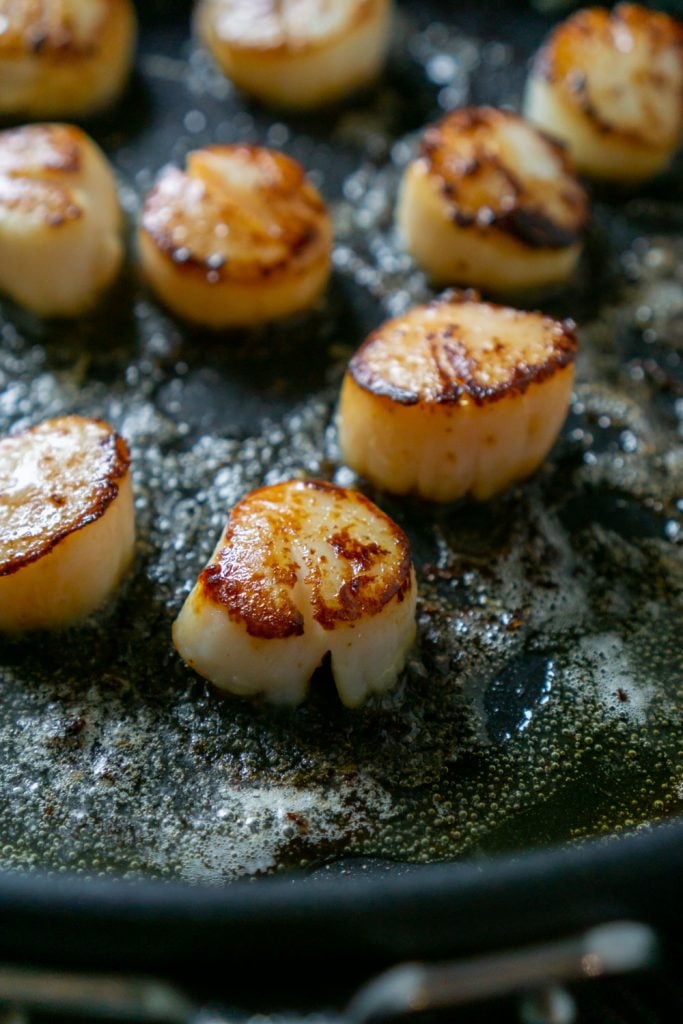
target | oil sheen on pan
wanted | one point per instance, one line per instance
(543, 700)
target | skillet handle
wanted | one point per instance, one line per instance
(615, 948)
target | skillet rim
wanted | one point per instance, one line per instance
(432, 910)
(435, 909)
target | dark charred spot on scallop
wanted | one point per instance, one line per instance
(427, 357)
(478, 178)
(366, 592)
(355, 551)
(307, 237)
(372, 380)
(89, 481)
(363, 595)
(536, 230)
(453, 363)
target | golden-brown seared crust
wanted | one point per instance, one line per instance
(282, 27)
(246, 225)
(55, 29)
(481, 158)
(373, 575)
(55, 478)
(595, 39)
(457, 350)
(41, 149)
(36, 161)
(49, 204)
(275, 541)
(255, 583)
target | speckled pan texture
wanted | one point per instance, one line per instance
(544, 700)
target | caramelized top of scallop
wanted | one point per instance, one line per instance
(45, 204)
(458, 349)
(55, 479)
(38, 150)
(37, 162)
(623, 68)
(302, 549)
(495, 169)
(241, 212)
(277, 25)
(40, 27)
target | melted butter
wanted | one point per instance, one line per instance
(116, 759)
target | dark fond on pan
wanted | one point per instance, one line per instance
(543, 701)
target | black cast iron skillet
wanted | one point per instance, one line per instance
(533, 748)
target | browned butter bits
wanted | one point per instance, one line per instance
(303, 569)
(63, 58)
(67, 526)
(297, 53)
(492, 203)
(238, 238)
(458, 397)
(610, 85)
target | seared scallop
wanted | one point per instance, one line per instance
(297, 53)
(610, 85)
(238, 238)
(63, 58)
(459, 397)
(490, 202)
(60, 221)
(66, 521)
(303, 569)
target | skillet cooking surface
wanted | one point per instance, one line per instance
(543, 702)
